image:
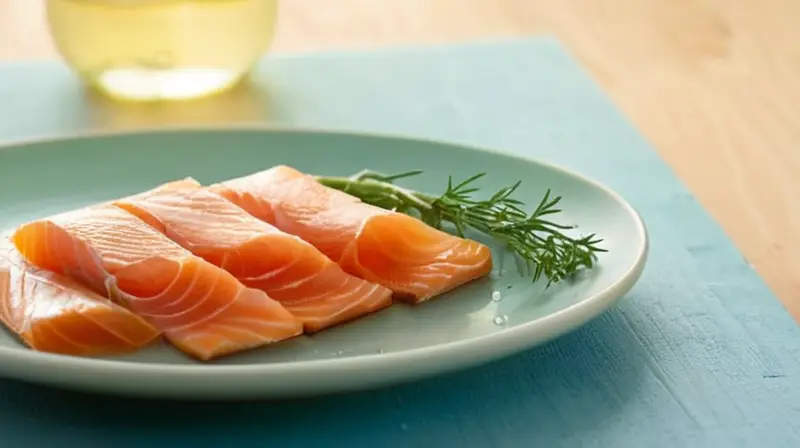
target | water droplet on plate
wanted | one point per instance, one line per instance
(500, 320)
(496, 297)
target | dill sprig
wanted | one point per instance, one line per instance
(536, 241)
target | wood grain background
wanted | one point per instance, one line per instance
(713, 84)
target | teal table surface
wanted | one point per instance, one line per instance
(698, 353)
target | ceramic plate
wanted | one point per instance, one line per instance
(463, 328)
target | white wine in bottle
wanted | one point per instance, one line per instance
(162, 49)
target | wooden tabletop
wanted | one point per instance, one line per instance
(713, 84)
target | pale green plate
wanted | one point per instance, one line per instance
(463, 328)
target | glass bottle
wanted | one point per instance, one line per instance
(146, 50)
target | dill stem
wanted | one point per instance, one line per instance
(539, 242)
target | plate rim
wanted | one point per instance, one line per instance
(589, 308)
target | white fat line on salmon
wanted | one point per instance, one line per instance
(339, 311)
(273, 273)
(294, 284)
(196, 305)
(345, 280)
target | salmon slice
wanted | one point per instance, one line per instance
(308, 284)
(53, 313)
(398, 251)
(201, 309)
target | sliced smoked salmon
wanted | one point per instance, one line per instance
(53, 313)
(308, 284)
(201, 309)
(400, 252)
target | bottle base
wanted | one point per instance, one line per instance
(142, 84)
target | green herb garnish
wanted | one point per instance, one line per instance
(536, 240)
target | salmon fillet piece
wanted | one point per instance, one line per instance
(413, 259)
(308, 284)
(53, 313)
(201, 309)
